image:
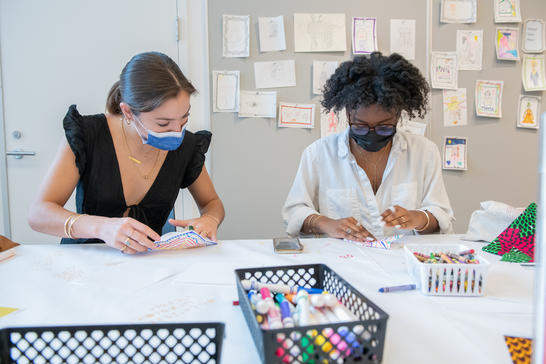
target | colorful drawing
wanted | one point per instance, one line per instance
(507, 11)
(332, 122)
(489, 98)
(455, 109)
(182, 240)
(364, 35)
(296, 115)
(529, 110)
(533, 73)
(455, 153)
(507, 44)
(385, 243)
(444, 70)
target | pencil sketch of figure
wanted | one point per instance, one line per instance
(320, 32)
(273, 31)
(534, 75)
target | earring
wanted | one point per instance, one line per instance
(127, 121)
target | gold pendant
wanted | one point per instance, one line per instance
(135, 160)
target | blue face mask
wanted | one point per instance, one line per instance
(166, 141)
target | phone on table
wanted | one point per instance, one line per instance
(287, 245)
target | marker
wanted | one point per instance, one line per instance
(287, 320)
(249, 284)
(279, 297)
(465, 252)
(274, 317)
(330, 300)
(302, 308)
(317, 300)
(404, 287)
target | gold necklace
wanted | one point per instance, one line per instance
(376, 180)
(137, 161)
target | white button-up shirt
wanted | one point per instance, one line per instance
(330, 182)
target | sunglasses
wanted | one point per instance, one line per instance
(384, 130)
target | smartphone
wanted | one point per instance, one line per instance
(287, 245)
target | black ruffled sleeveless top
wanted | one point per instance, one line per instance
(100, 192)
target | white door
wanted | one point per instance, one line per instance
(60, 52)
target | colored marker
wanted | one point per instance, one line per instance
(302, 308)
(465, 252)
(249, 284)
(330, 300)
(317, 300)
(274, 318)
(287, 320)
(404, 287)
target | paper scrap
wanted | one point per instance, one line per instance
(296, 115)
(319, 32)
(332, 122)
(271, 30)
(455, 108)
(235, 30)
(258, 104)
(275, 74)
(444, 70)
(225, 96)
(489, 98)
(364, 35)
(455, 153)
(321, 73)
(470, 49)
(403, 37)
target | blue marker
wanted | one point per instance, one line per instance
(405, 287)
(311, 290)
(287, 320)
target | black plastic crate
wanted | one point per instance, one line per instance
(144, 343)
(364, 338)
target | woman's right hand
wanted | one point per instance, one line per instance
(346, 228)
(127, 235)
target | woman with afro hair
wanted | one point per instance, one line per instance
(371, 180)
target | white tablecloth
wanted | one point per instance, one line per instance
(94, 284)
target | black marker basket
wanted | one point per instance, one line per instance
(360, 341)
(143, 343)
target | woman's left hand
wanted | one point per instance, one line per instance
(400, 218)
(204, 225)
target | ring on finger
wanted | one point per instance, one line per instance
(123, 248)
(127, 241)
(348, 231)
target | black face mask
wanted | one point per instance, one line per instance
(372, 142)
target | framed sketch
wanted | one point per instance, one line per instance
(528, 111)
(444, 70)
(533, 36)
(235, 35)
(532, 73)
(506, 43)
(489, 98)
(458, 11)
(507, 11)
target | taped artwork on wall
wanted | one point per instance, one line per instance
(528, 111)
(455, 153)
(489, 98)
(507, 44)
(507, 11)
(455, 109)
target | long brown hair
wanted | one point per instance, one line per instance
(146, 82)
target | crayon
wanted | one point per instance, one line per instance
(465, 252)
(405, 287)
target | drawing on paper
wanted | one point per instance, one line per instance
(296, 115)
(364, 35)
(235, 29)
(455, 108)
(529, 111)
(533, 36)
(403, 37)
(321, 73)
(470, 49)
(319, 33)
(225, 96)
(489, 98)
(507, 11)
(332, 122)
(533, 73)
(455, 153)
(458, 11)
(275, 74)
(258, 104)
(444, 70)
(272, 36)
(507, 44)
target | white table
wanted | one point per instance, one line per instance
(94, 284)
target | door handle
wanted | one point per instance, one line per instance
(18, 153)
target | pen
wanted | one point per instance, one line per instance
(405, 287)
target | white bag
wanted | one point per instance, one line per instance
(486, 224)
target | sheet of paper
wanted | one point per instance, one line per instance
(533, 36)
(507, 11)
(506, 42)
(332, 122)
(458, 11)
(271, 31)
(236, 30)
(455, 153)
(489, 98)
(364, 35)
(275, 74)
(258, 104)
(455, 107)
(529, 111)
(381, 243)
(186, 239)
(6, 311)
(319, 32)
(470, 49)
(321, 73)
(225, 93)
(413, 127)
(444, 70)
(296, 115)
(533, 73)
(403, 37)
